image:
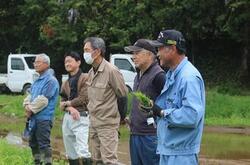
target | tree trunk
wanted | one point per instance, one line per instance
(244, 62)
(245, 54)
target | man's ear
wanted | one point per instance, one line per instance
(98, 52)
(79, 62)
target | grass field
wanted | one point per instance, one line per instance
(13, 155)
(16, 155)
(226, 110)
(11, 105)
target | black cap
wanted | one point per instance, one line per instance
(170, 37)
(74, 55)
(140, 45)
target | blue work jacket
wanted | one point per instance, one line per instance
(46, 85)
(183, 102)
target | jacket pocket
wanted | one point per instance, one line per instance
(173, 102)
(176, 102)
(99, 91)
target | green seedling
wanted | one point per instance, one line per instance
(143, 99)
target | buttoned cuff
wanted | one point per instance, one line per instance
(166, 112)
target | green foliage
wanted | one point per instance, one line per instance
(13, 155)
(143, 99)
(130, 97)
(229, 88)
(231, 122)
(12, 105)
(223, 109)
(125, 133)
(236, 20)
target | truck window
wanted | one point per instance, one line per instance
(124, 64)
(29, 61)
(17, 64)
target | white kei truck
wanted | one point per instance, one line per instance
(20, 73)
(126, 66)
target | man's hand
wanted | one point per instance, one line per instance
(74, 113)
(127, 122)
(155, 110)
(28, 111)
(68, 103)
(62, 105)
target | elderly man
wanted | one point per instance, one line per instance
(181, 104)
(74, 101)
(40, 107)
(149, 80)
(105, 86)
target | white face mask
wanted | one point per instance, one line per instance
(88, 58)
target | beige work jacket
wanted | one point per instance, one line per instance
(104, 87)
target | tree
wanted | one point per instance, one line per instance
(9, 30)
(236, 24)
(35, 26)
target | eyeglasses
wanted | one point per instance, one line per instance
(38, 62)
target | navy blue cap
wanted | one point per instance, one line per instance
(170, 37)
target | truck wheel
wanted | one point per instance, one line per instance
(26, 89)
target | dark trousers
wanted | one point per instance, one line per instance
(143, 150)
(40, 141)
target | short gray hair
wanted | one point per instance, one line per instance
(97, 43)
(153, 56)
(45, 58)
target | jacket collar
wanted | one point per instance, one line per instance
(102, 65)
(172, 73)
(100, 69)
(42, 76)
(151, 66)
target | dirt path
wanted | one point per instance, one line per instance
(233, 130)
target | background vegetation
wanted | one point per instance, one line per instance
(217, 31)
(13, 155)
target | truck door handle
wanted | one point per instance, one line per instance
(11, 72)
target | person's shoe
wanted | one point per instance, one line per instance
(37, 162)
(46, 156)
(73, 161)
(48, 164)
(86, 161)
(99, 162)
(36, 156)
